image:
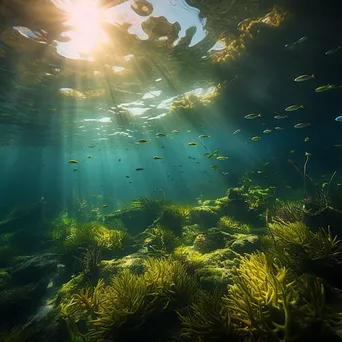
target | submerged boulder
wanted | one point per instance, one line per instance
(204, 216)
(34, 268)
(246, 244)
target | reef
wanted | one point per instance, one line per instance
(243, 267)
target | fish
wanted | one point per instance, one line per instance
(175, 131)
(280, 116)
(214, 154)
(304, 78)
(293, 108)
(267, 131)
(302, 125)
(139, 169)
(333, 50)
(73, 161)
(279, 128)
(204, 136)
(307, 139)
(140, 141)
(256, 138)
(339, 118)
(237, 131)
(215, 167)
(252, 116)
(221, 158)
(324, 88)
(161, 135)
(299, 41)
(105, 206)
(192, 143)
(157, 157)
(89, 156)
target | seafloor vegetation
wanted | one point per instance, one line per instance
(244, 267)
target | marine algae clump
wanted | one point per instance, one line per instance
(128, 307)
(268, 302)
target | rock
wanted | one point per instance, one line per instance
(135, 220)
(208, 242)
(133, 262)
(214, 277)
(204, 216)
(246, 244)
(34, 268)
(17, 302)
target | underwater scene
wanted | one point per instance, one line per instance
(170, 170)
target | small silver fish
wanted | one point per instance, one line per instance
(280, 116)
(293, 108)
(302, 125)
(333, 50)
(252, 116)
(304, 78)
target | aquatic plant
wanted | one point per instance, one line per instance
(268, 302)
(206, 319)
(150, 206)
(173, 217)
(296, 245)
(129, 301)
(169, 281)
(94, 234)
(162, 240)
(230, 225)
(190, 258)
(91, 265)
(288, 211)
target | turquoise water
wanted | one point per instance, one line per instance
(160, 120)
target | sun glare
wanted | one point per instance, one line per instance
(85, 18)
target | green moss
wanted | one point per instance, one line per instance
(232, 226)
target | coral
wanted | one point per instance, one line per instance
(207, 319)
(267, 302)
